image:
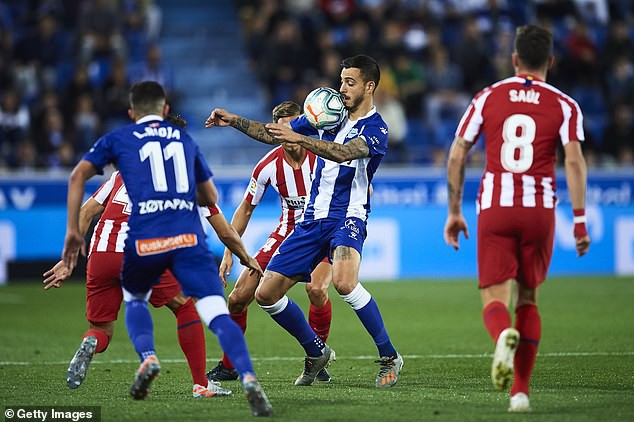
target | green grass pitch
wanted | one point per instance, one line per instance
(584, 370)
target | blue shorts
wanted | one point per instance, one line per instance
(313, 240)
(194, 267)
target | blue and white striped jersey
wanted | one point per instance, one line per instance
(341, 190)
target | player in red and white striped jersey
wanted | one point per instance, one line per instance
(103, 285)
(523, 119)
(288, 169)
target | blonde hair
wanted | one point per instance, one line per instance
(286, 109)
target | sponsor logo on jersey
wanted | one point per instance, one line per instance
(164, 244)
(167, 132)
(156, 205)
(295, 202)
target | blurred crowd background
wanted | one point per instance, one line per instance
(66, 65)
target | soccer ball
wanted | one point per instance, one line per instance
(324, 108)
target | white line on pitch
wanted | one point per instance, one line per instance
(299, 358)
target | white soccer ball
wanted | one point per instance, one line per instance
(324, 108)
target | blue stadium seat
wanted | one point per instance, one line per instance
(594, 110)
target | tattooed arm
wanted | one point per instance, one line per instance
(455, 182)
(355, 148)
(455, 173)
(255, 130)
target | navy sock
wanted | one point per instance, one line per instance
(292, 319)
(232, 342)
(138, 321)
(371, 319)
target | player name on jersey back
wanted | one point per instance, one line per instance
(167, 132)
(524, 120)
(524, 96)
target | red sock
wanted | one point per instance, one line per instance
(497, 318)
(191, 338)
(102, 339)
(241, 320)
(528, 323)
(319, 320)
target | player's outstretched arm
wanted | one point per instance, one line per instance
(351, 150)
(256, 130)
(576, 175)
(456, 163)
(59, 273)
(230, 237)
(239, 221)
(74, 241)
(207, 194)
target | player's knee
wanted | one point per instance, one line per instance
(344, 287)
(526, 296)
(317, 295)
(177, 302)
(266, 296)
(235, 303)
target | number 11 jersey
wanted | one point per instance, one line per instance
(161, 167)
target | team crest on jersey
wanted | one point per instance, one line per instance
(354, 132)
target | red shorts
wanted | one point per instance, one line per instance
(515, 243)
(266, 252)
(103, 287)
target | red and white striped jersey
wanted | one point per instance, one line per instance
(523, 120)
(293, 186)
(111, 229)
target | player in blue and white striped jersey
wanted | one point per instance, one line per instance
(334, 223)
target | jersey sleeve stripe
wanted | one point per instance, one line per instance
(104, 191)
(574, 131)
(471, 122)
(262, 175)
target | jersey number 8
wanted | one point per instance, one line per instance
(518, 133)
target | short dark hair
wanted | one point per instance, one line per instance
(286, 109)
(367, 65)
(147, 97)
(533, 45)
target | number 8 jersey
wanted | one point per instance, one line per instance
(523, 120)
(161, 167)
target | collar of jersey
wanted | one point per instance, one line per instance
(149, 118)
(370, 113)
(529, 76)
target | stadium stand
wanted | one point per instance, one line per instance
(66, 66)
